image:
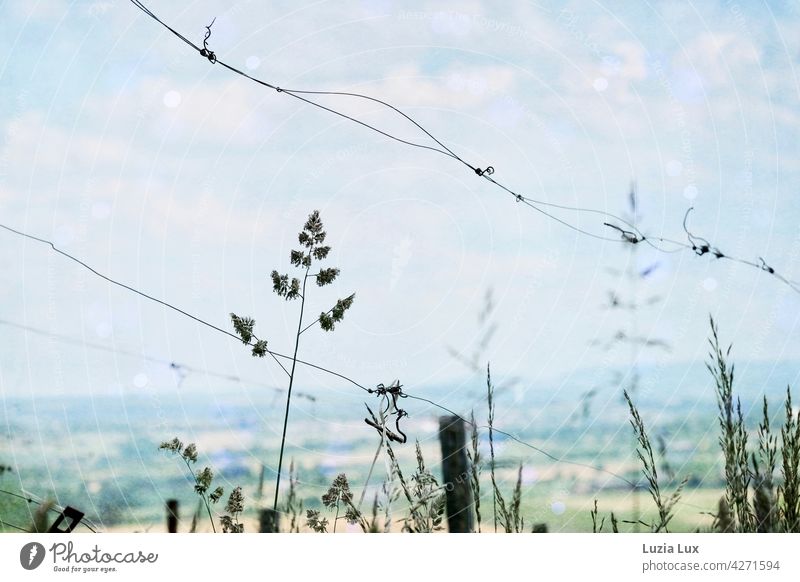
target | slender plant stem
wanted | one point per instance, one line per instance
(490, 402)
(202, 496)
(336, 519)
(289, 392)
(369, 475)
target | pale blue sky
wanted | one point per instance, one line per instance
(190, 183)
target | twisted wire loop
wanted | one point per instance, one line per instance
(698, 245)
(205, 51)
(626, 235)
(389, 395)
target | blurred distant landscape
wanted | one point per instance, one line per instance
(100, 453)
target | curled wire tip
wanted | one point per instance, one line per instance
(205, 51)
(627, 235)
(391, 393)
(698, 244)
(765, 267)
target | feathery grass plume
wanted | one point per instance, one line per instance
(293, 506)
(723, 520)
(790, 465)
(373, 523)
(339, 492)
(507, 516)
(514, 520)
(733, 436)
(429, 496)
(353, 514)
(614, 523)
(645, 453)
(497, 496)
(426, 499)
(315, 523)
(313, 248)
(235, 506)
(595, 527)
(474, 457)
(764, 500)
(202, 479)
(244, 326)
(40, 522)
(391, 494)
(661, 442)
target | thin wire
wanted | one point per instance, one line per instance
(275, 355)
(171, 363)
(55, 508)
(296, 93)
(309, 364)
(526, 444)
(147, 11)
(635, 486)
(5, 523)
(446, 151)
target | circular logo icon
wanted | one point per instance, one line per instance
(31, 555)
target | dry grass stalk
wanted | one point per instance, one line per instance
(474, 457)
(644, 451)
(733, 436)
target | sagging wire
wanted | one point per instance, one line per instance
(633, 236)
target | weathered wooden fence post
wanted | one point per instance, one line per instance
(172, 515)
(456, 474)
(268, 521)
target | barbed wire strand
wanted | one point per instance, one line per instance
(175, 365)
(526, 444)
(634, 236)
(305, 363)
(275, 355)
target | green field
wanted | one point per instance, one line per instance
(101, 456)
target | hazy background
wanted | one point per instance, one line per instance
(132, 152)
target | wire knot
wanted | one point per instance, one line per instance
(487, 172)
(626, 235)
(205, 51)
(212, 58)
(699, 245)
(392, 393)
